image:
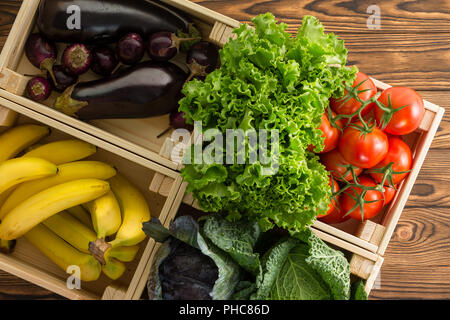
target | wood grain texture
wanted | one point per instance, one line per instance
(411, 49)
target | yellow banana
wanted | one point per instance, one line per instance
(81, 215)
(16, 171)
(46, 203)
(114, 269)
(134, 210)
(64, 151)
(7, 246)
(124, 254)
(5, 195)
(18, 138)
(105, 214)
(62, 253)
(71, 230)
(66, 172)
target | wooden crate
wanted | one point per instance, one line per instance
(28, 263)
(364, 264)
(374, 234)
(139, 136)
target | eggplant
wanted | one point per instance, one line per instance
(145, 90)
(106, 21)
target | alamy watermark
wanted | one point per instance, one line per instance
(374, 20)
(73, 281)
(234, 146)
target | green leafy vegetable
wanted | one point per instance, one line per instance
(237, 239)
(297, 280)
(358, 291)
(269, 80)
(331, 264)
(273, 262)
(190, 266)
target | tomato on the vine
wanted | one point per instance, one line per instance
(364, 150)
(399, 154)
(336, 216)
(389, 194)
(331, 134)
(334, 162)
(334, 202)
(364, 88)
(405, 120)
(373, 200)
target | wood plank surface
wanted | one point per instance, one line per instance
(412, 48)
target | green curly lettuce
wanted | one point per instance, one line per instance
(269, 80)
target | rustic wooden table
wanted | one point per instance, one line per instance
(412, 48)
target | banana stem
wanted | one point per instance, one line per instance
(98, 249)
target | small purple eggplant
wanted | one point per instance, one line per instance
(39, 89)
(178, 121)
(163, 46)
(41, 52)
(130, 49)
(104, 61)
(77, 59)
(63, 79)
(202, 59)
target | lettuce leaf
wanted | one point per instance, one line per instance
(269, 80)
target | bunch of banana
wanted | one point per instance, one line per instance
(12, 142)
(75, 212)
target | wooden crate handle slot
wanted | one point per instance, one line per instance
(361, 267)
(114, 292)
(13, 82)
(7, 117)
(221, 34)
(371, 232)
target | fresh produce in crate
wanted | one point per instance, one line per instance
(365, 144)
(66, 172)
(130, 48)
(60, 181)
(104, 61)
(163, 46)
(63, 79)
(107, 21)
(62, 253)
(46, 203)
(77, 59)
(213, 258)
(144, 90)
(39, 89)
(269, 80)
(41, 52)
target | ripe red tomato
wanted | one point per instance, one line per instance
(334, 203)
(330, 133)
(334, 161)
(362, 83)
(371, 209)
(389, 194)
(400, 154)
(407, 119)
(363, 150)
(336, 216)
